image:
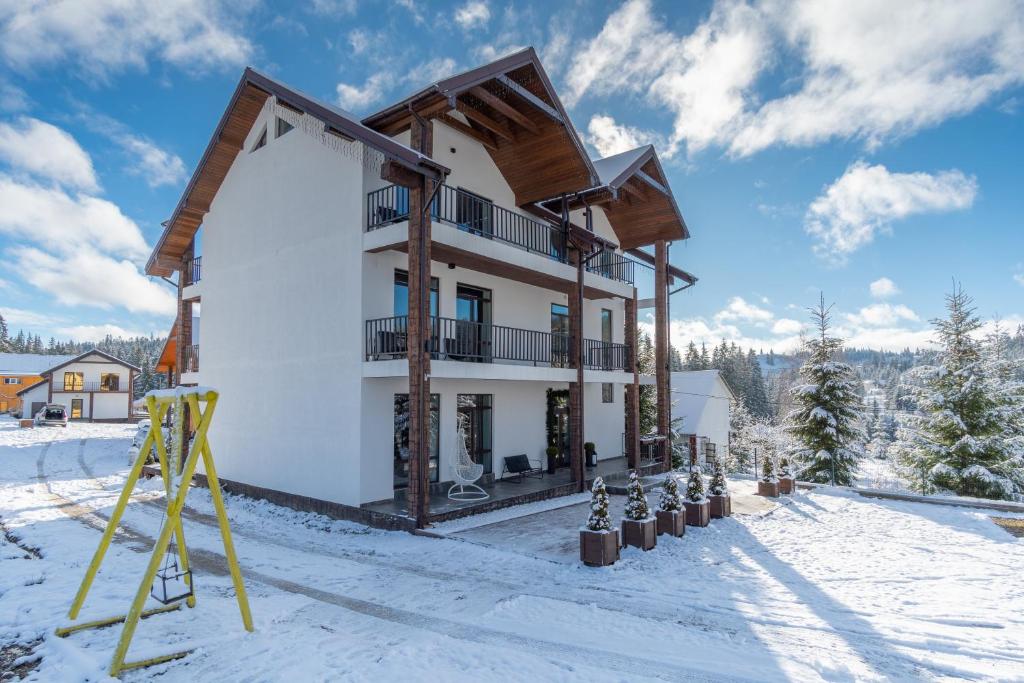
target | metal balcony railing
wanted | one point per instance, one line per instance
(470, 213)
(613, 267)
(194, 270)
(190, 358)
(86, 387)
(463, 340)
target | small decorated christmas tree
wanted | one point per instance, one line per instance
(784, 470)
(695, 487)
(636, 501)
(718, 485)
(670, 495)
(768, 471)
(599, 519)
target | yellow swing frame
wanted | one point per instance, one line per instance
(158, 404)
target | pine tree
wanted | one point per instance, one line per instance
(692, 361)
(970, 440)
(675, 361)
(741, 445)
(784, 470)
(599, 519)
(768, 469)
(718, 485)
(825, 421)
(695, 487)
(5, 340)
(705, 362)
(670, 495)
(636, 500)
(648, 396)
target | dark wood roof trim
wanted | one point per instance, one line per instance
(643, 256)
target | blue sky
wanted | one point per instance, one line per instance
(870, 150)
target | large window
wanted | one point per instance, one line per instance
(402, 294)
(402, 438)
(477, 409)
(74, 381)
(76, 409)
(473, 327)
(110, 381)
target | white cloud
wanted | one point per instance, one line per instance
(741, 310)
(860, 73)
(787, 326)
(357, 97)
(89, 278)
(474, 13)
(95, 333)
(59, 221)
(46, 151)
(608, 137)
(328, 8)
(867, 199)
(156, 165)
(881, 315)
(883, 288)
(20, 317)
(430, 71)
(12, 98)
(1019, 279)
(101, 37)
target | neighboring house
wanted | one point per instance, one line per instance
(93, 386)
(19, 371)
(350, 331)
(702, 400)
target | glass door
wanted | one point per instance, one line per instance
(477, 409)
(401, 456)
(559, 336)
(473, 324)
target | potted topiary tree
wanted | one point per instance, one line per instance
(698, 507)
(721, 501)
(599, 542)
(786, 482)
(552, 453)
(671, 518)
(768, 484)
(639, 527)
(590, 449)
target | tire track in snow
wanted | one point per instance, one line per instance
(216, 564)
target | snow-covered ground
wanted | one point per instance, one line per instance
(828, 586)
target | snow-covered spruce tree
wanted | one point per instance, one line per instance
(599, 519)
(741, 441)
(670, 495)
(970, 440)
(718, 485)
(825, 423)
(785, 471)
(695, 487)
(636, 500)
(768, 470)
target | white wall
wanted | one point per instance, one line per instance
(102, 405)
(702, 400)
(37, 394)
(282, 317)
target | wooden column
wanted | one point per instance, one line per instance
(661, 346)
(418, 492)
(184, 338)
(633, 388)
(576, 388)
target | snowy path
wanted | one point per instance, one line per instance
(828, 587)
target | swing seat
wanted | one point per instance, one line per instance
(171, 585)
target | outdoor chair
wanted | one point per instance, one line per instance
(465, 472)
(521, 467)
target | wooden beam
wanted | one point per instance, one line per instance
(474, 114)
(503, 107)
(661, 348)
(633, 388)
(531, 98)
(406, 119)
(652, 182)
(632, 189)
(482, 137)
(394, 172)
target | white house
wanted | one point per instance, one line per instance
(350, 331)
(702, 400)
(93, 386)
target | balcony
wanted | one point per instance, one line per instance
(190, 359)
(613, 267)
(193, 271)
(472, 342)
(471, 214)
(89, 387)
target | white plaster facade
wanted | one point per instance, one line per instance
(289, 278)
(86, 397)
(702, 400)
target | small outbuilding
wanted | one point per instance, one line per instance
(702, 399)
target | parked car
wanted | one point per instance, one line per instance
(52, 415)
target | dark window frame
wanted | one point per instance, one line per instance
(401, 440)
(74, 385)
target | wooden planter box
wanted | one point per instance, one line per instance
(787, 485)
(768, 488)
(672, 522)
(599, 548)
(698, 514)
(643, 535)
(28, 423)
(721, 506)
